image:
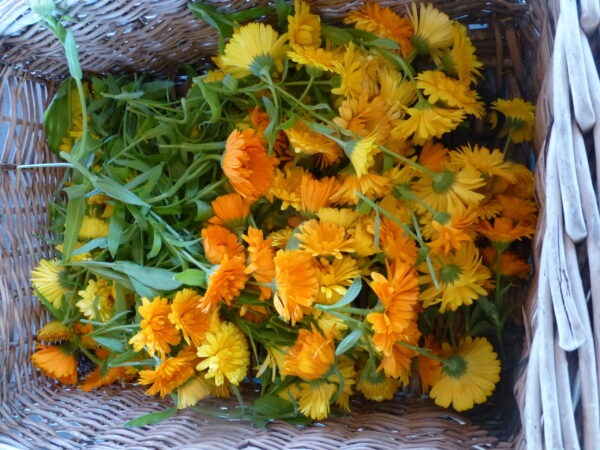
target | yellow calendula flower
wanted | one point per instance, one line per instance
(358, 72)
(335, 277)
(362, 154)
(157, 333)
(311, 356)
(378, 387)
(314, 399)
(93, 227)
(433, 30)
(192, 391)
(76, 127)
(225, 354)
(366, 117)
(188, 318)
(347, 371)
(427, 121)
(97, 300)
(372, 185)
(454, 93)
(48, 279)
(253, 48)
(487, 162)
(327, 60)
(304, 28)
(469, 375)
(461, 60)
(520, 117)
(324, 239)
(54, 331)
(286, 187)
(462, 278)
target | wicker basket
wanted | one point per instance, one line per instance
(556, 382)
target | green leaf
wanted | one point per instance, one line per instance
(348, 342)
(72, 56)
(73, 220)
(115, 229)
(113, 344)
(113, 189)
(213, 101)
(124, 95)
(490, 310)
(272, 406)
(151, 418)
(123, 358)
(57, 117)
(153, 277)
(156, 241)
(348, 297)
(213, 17)
(191, 277)
(336, 35)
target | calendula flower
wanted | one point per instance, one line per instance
(344, 217)
(97, 300)
(520, 116)
(96, 378)
(427, 121)
(504, 231)
(364, 239)
(56, 361)
(76, 128)
(219, 242)
(171, 373)
(399, 295)
(281, 237)
(447, 236)
(335, 277)
(364, 116)
(314, 398)
(461, 60)
(252, 49)
(347, 371)
(378, 387)
(311, 356)
(327, 60)
(315, 194)
(383, 22)
(453, 192)
(48, 279)
(454, 93)
(397, 364)
(188, 318)
(306, 141)
(157, 333)
(92, 228)
(261, 262)
(304, 28)
(487, 162)
(509, 264)
(324, 239)
(54, 331)
(358, 73)
(433, 30)
(397, 91)
(231, 210)
(433, 156)
(246, 164)
(297, 283)
(225, 283)
(428, 368)
(468, 376)
(225, 354)
(362, 154)
(518, 209)
(396, 244)
(370, 185)
(192, 391)
(462, 279)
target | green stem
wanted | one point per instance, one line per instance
(422, 351)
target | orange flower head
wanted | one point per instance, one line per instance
(246, 164)
(311, 356)
(447, 237)
(324, 239)
(510, 264)
(231, 210)
(519, 209)
(308, 142)
(96, 378)
(383, 22)
(297, 282)
(335, 277)
(371, 185)
(428, 368)
(157, 333)
(224, 283)
(188, 318)
(398, 363)
(218, 242)
(171, 373)
(56, 362)
(316, 194)
(396, 244)
(434, 156)
(261, 260)
(505, 230)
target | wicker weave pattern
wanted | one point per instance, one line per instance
(155, 35)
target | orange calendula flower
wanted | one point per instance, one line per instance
(231, 210)
(462, 279)
(504, 231)
(434, 156)
(171, 373)
(56, 362)
(96, 378)
(365, 116)
(316, 194)
(383, 22)
(398, 363)
(246, 164)
(304, 28)
(306, 141)
(188, 318)
(311, 356)
(219, 242)
(428, 368)
(454, 93)
(510, 264)
(397, 245)
(297, 282)
(518, 209)
(224, 283)
(447, 237)
(324, 239)
(261, 262)
(157, 333)
(370, 185)
(54, 331)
